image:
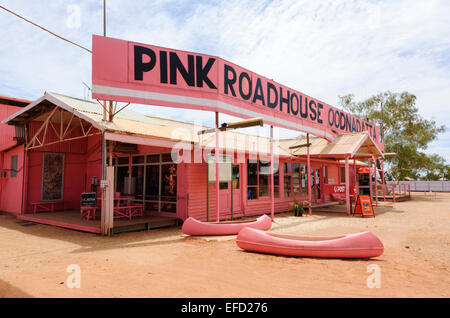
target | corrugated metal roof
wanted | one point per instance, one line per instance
(128, 121)
(355, 144)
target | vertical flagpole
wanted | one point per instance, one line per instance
(104, 17)
(272, 195)
(217, 170)
(104, 217)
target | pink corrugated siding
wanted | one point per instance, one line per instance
(11, 187)
(196, 189)
(7, 131)
(259, 207)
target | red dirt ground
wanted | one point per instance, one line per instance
(166, 263)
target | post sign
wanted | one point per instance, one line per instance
(140, 73)
(334, 188)
(88, 199)
(224, 168)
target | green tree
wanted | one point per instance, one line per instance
(436, 168)
(405, 132)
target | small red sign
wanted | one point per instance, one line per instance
(364, 206)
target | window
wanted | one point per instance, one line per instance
(276, 180)
(137, 182)
(152, 183)
(264, 173)
(295, 182)
(150, 179)
(296, 178)
(287, 180)
(342, 174)
(252, 179)
(235, 176)
(13, 173)
(258, 179)
(304, 179)
(137, 159)
(325, 173)
(123, 160)
(122, 180)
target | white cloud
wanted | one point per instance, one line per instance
(322, 48)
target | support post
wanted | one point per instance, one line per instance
(107, 193)
(382, 180)
(217, 170)
(370, 180)
(25, 178)
(347, 187)
(356, 188)
(376, 180)
(107, 213)
(272, 183)
(308, 174)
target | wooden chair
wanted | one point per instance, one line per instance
(88, 212)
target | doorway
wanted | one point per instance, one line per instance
(316, 184)
(230, 193)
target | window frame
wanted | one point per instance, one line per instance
(258, 174)
(13, 170)
(302, 191)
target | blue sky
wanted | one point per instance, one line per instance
(321, 48)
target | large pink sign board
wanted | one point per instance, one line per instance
(140, 73)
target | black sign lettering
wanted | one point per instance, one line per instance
(139, 66)
(202, 72)
(249, 83)
(312, 108)
(229, 82)
(294, 112)
(271, 88)
(176, 65)
(319, 113)
(259, 94)
(284, 100)
(163, 66)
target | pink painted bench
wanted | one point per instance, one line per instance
(46, 206)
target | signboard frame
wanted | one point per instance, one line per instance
(133, 72)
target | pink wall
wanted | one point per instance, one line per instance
(196, 189)
(6, 131)
(75, 169)
(74, 179)
(11, 187)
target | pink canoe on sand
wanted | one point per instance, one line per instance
(194, 227)
(358, 245)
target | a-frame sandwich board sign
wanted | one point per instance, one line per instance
(364, 206)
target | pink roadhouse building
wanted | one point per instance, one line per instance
(52, 154)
